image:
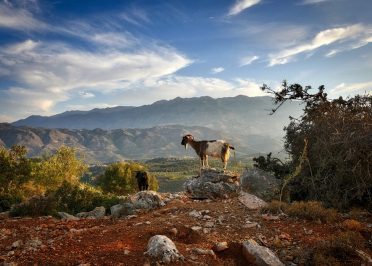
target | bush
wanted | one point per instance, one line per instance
(36, 206)
(9, 199)
(120, 178)
(75, 198)
(337, 167)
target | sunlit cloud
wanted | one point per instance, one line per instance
(241, 5)
(217, 70)
(49, 72)
(355, 34)
(248, 60)
(345, 90)
(312, 2)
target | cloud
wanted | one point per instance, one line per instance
(241, 5)
(355, 34)
(311, 2)
(248, 60)
(86, 95)
(174, 86)
(352, 89)
(18, 18)
(217, 70)
(49, 73)
(135, 16)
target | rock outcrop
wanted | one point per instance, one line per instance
(260, 183)
(98, 212)
(259, 255)
(67, 217)
(162, 249)
(122, 210)
(147, 200)
(212, 184)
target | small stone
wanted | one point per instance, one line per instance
(209, 224)
(10, 253)
(126, 252)
(220, 246)
(173, 231)
(196, 228)
(195, 214)
(147, 222)
(201, 251)
(17, 244)
(206, 230)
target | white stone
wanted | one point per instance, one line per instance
(162, 249)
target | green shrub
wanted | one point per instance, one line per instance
(120, 178)
(9, 199)
(74, 198)
(36, 206)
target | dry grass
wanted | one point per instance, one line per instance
(339, 250)
(275, 207)
(352, 225)
(312, 210)
(309, 210)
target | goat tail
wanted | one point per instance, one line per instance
(232, 147)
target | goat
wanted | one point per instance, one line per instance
(205, 148)
(142, 180)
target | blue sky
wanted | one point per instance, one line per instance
(79, 55)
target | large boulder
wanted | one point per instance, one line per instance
(147, 200)
(212, 184)
(162, 249)
(122, 210)
(98, 212)
(260, 183)
(259, 255)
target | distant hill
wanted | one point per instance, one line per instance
(240, 115)
(149, 131)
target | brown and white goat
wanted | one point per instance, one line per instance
(204, 148)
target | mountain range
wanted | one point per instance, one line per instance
(155, 130)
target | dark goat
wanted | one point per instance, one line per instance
(204, 148)
(142, 180)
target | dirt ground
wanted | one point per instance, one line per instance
(49, 241)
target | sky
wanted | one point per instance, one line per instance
(60, 55)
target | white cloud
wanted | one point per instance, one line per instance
(356, 34)
(217, 70)
(18, 18)
(174, 86)
(86, 95)
(49, 73)
(241, 5)
(135, 16)
(248, 60)
(352, 89)
(311, 2)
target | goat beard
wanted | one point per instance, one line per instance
(185, 146)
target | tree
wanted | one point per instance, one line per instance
(61, 167)
(338, 164)
(119, 178)
(15, 168)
